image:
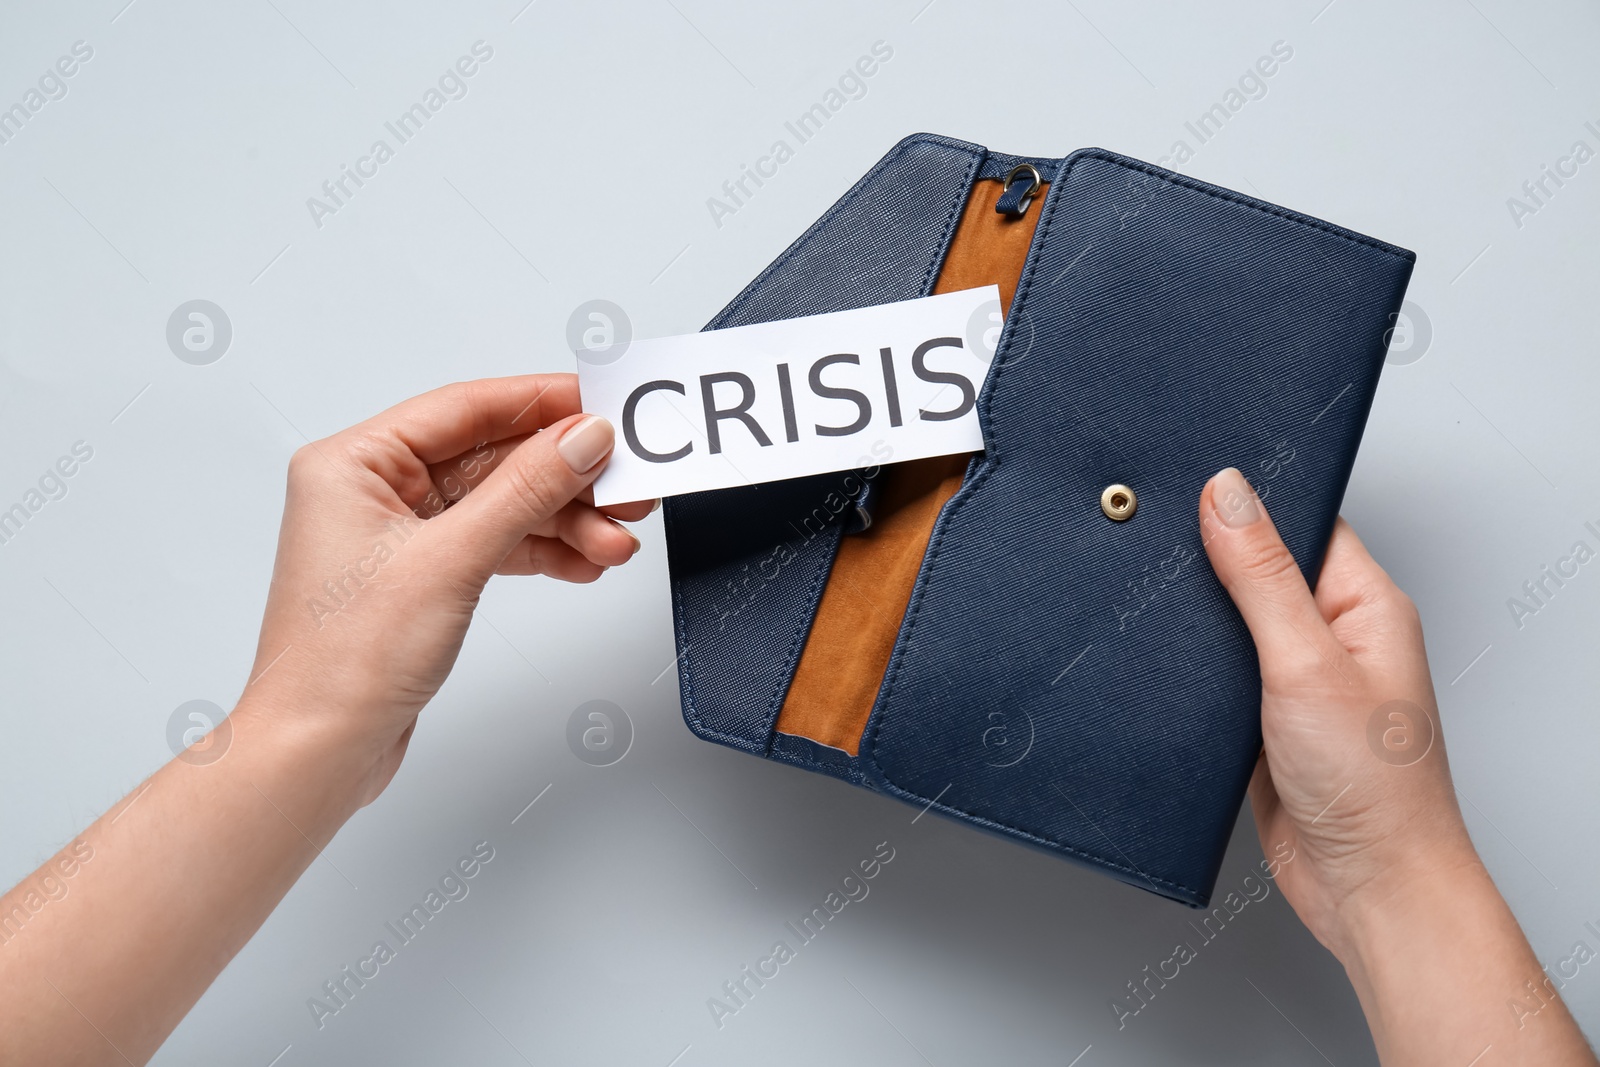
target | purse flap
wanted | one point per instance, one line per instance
(1163, 329)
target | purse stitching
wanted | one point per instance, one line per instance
(1239, 199)
(889, 687)
(955, 506)
(855, 191)
(825, 567)
(691, 711)
(962, 497)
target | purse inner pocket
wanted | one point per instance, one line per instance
(869, 586)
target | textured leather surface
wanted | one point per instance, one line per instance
(1163, 329)
(998, 165)
(1173, 329)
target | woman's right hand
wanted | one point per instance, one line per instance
(1353, 773)
(1353, 778)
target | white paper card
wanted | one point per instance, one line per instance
(786, 399)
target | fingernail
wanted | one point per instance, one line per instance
(637, 544)
(586, 443)
(1233, 499)
(656, 506)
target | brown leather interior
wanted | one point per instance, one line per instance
(864, 601)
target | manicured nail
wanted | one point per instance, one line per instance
(586, 443)
(1233, 499)
(656, 506)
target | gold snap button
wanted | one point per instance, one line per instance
(1119, 503)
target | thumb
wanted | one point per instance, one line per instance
(541, 476)
(1262, 577)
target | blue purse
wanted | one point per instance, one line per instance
(1031, 639)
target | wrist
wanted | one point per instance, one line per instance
(1430, 892)
(1401, 877)
(325, 764)
(1439, 916)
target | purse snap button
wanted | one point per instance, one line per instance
(1119, 502)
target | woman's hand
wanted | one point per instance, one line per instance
(390, 531)
(1353, 775)
(1341, 670)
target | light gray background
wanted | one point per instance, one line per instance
(578, 166)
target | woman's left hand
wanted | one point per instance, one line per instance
(391, 530)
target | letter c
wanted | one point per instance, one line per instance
(630, 432)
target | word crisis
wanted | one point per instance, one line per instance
(735, 406)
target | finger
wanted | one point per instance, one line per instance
(1367, 612)
(633, 511)
(450, 481)
(545, 555)
(534, 482)
(1350, 576)
(449, 421)
(598, 538)
(457, 476)
(1261, 576)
